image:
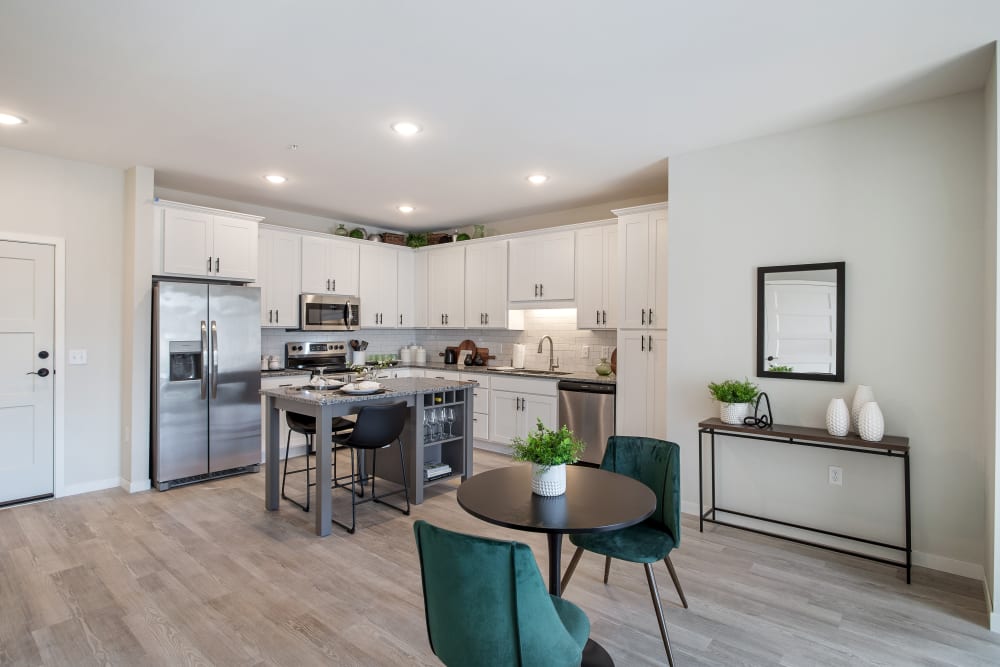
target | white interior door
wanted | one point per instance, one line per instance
(27, 320)
(801, 326)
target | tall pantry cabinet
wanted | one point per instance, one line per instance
(641, 403)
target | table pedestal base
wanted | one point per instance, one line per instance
(594, 654)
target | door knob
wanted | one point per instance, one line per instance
(41, 372)
(43, 354)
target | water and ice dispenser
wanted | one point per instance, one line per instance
(185, 360)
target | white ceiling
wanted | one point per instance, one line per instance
(596, 94)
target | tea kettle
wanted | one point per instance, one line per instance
(450, 355)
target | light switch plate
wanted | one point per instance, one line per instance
(77, 357)
(584, 351)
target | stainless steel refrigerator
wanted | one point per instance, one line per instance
(206, 382)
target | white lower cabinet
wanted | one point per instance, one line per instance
(641, 403)
(516, 405)
(298, 440)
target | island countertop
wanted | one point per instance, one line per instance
(394, 387)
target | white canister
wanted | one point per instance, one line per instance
(421, 357)
(517, 360)
(359, 358)
(274, 363)
(405, 355)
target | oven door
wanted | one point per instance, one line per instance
(324, 312)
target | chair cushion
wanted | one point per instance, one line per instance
(642, 543)
(576, 622)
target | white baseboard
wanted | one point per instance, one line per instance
(136, 486)
(495, 447)
(87, 487)
(930, 561)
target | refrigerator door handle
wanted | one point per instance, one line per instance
(215, 360)
(204, 360)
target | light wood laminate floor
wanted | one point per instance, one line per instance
(204, 575)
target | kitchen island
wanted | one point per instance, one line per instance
(420, 395)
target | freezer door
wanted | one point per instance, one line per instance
(180, 414)
(234, 377)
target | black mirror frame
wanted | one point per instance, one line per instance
(822, 377)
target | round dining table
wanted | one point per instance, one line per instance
(595, 501)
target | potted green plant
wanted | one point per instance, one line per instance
(734, 399)
(548, 452)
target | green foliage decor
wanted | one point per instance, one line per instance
(733, 391)
(780, 369)
(416, 240)
(548, 448)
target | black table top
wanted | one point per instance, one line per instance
(595, 501)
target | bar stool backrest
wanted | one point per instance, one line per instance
(378, 425)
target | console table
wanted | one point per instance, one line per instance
(800, 436)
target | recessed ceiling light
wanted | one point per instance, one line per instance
(537, 179)
(405, 128)
(405, 208)
(7, 119)
(277, 179)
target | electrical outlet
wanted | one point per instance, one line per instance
(77, 357)
(584, 351)
(836, 475)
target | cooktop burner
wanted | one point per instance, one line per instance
(325, 357)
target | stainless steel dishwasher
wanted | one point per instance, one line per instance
(588, 409)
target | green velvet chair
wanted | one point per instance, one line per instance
(655, 463)
(486, 604)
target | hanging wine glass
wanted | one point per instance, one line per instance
(449, 417)
(432, 421)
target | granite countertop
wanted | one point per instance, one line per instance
(587, 376)
(397, 387)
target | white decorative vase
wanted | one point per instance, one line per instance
(838, 417)
(862, 395)
(548, 480)
(733, 413)
(871, 423)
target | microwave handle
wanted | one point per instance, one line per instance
(347, 314)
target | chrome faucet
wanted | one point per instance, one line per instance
(553, 362)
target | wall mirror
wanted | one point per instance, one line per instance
(800, 321)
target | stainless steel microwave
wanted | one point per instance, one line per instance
(328, 312)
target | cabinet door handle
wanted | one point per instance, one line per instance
(642, 342)
(604, 317)
(650, 346)
(216, 264)
(541, 290)
(442, 318)
(327, 284)
(334, 284)
(651, 316)
(597, 317)
(643, 317)
(209, 264)
(517, 403)
(400, 319)
(270, 316)
(446, 318)
(536, 289)
(277, 316)
(487, 318)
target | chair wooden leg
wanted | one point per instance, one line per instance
(571, 568)
(607, 568)
(659, 610)
(677, 582)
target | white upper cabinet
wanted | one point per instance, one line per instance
(200, 242)
(378, 277)
(405, 290)
(486, 285)
(596, 277)
(420, 285)
(329, 266)
(278, 278)
(542, 268)
(643, 257)
(446, 287)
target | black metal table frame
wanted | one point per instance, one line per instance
(703, 514)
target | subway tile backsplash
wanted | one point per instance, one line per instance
(568, 341)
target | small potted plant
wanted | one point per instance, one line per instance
(548, 452)
(734, 399)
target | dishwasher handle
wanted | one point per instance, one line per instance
(585, 387)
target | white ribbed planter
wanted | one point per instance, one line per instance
(838, 417)
(863, 394)
(871, 423)
(733, 413)
(548, 481)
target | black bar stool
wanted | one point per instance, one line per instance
(307, 426)
(378, 426)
